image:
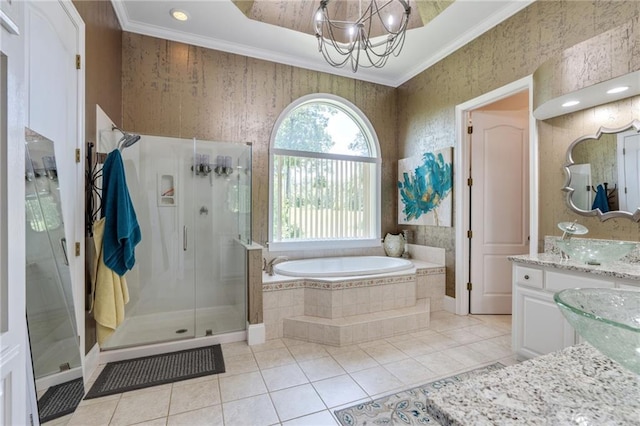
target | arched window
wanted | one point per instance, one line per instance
(325, 177)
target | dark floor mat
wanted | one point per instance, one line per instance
(60, 400)
(138, 373)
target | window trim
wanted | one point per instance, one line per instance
(365, 126)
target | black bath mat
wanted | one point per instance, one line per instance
(60, 400)
(138, 373)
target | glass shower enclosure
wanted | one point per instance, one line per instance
(51, 320)
(193, 203)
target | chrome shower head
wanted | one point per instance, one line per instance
(127, 139)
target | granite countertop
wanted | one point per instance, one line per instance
(623, 270)
(575, 386)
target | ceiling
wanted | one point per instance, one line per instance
(278, 30)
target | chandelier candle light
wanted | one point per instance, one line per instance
(367, 41)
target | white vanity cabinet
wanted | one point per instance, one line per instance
(538, 325)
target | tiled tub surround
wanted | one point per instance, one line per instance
(347, 298)
(342, 311)
(577, 385)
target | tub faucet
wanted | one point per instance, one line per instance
(268, 266)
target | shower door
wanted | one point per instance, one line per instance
(189, 278)
(161, 285)
(222, 200)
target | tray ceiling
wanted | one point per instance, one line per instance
(281, 30)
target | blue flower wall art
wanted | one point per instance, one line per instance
(424, 184)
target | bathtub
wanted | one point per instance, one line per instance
(342, 266)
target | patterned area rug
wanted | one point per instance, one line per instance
(406, 407)
(138, 373)
(60, 400)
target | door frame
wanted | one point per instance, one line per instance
(462, 162)
(16, 394)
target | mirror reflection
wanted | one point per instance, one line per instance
(602, 173)
(51, 321)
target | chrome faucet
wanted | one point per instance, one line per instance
(572, 228)
(568, 231)
(268, 266)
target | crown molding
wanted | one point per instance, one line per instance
(372, 76)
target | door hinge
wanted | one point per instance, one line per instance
(624, 151)
(469, 286)
(469, 130)
(469, 234)
(78, 62)
(77, 155)
(77, 245)
(469, 182)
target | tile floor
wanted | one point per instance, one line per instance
(290, 382)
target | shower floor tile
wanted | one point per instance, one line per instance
(165, 327)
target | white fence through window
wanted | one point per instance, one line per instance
(323, 198)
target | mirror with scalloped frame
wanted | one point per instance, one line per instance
(602, 176)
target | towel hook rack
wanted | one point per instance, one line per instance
(93, 176)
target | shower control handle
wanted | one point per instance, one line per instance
(184, 238)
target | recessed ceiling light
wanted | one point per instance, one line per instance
(617, 90)
(179, 15)
(570, 104)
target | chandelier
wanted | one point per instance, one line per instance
(366, 41)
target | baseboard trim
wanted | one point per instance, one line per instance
(256, 334)
(91, 361)
(449, 304)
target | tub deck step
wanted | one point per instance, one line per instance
(359, 328)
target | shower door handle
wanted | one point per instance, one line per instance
(184, 238)
(63, 243)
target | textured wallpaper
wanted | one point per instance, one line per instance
(173, 89)
(178, 90)
(103, 62)
(506, 53)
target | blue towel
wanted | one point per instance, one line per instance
(121, 229)
(601, 202)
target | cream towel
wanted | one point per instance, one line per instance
(109, 290)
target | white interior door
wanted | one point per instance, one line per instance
(581, 183)
(54, 36)
(629, 174)
(499, 205)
